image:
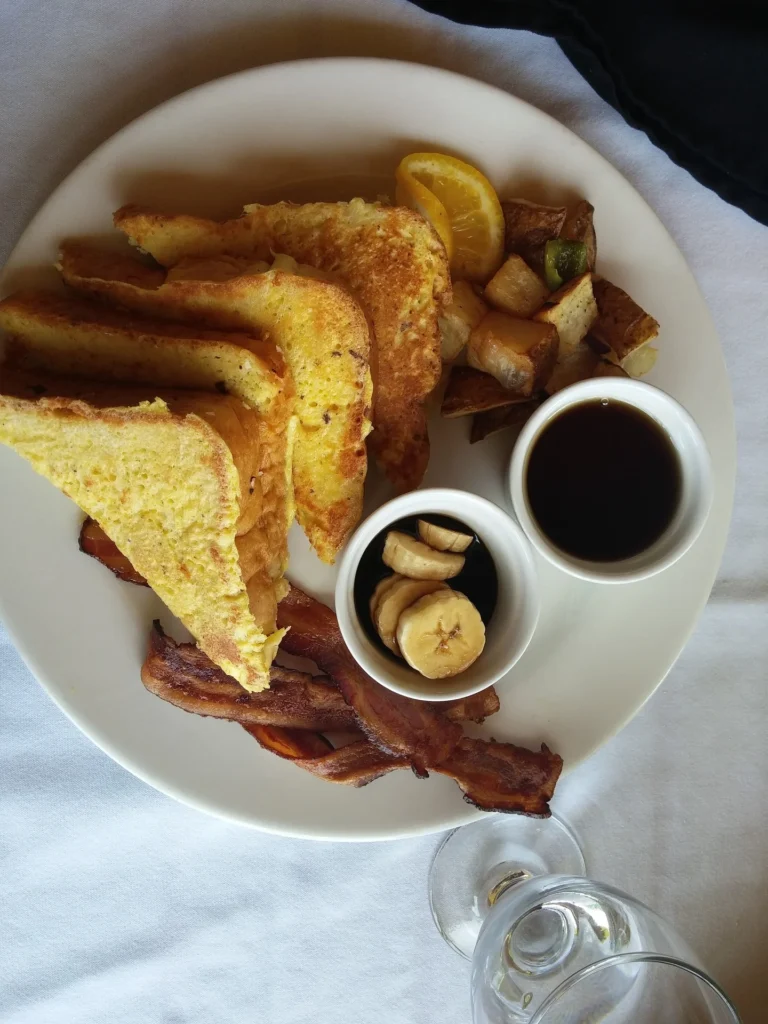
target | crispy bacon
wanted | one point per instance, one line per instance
(94, 542)
(292, 744)
(400, 725)
(492, 776)
(503, 777)
(185, 676)
(355, 764)
(475, 708)
(288, 718)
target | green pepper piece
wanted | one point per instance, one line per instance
(563, 260)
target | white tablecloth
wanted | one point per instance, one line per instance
(118, 905)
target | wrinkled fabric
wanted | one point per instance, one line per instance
(120, 906)
(692, 76)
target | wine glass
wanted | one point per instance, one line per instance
(657, 990)
(550, 946)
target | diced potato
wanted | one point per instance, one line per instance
(579, 227)
(641, 361)
(574, 365)
(465, 312)
(470, 391)
(454, 335)
(520, 354)
(622, 327)
(516, 289)
(572, 310)
(510, 417)
(528, 226)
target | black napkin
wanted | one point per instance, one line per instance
(693, 77)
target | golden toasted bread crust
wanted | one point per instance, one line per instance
(64, 309)
(46, 327)
(325, 339)
(67, 335)
(81, 261)
(389, 256)
(166, 489)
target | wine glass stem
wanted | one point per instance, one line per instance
(511, 878)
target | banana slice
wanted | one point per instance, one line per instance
(442, 539)
(394, 601)
(381, 588)
(411, 558)
(441, 634)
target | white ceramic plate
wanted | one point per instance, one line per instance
(333, 129)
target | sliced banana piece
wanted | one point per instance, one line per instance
(410, 557)
(442, 539)
(381, 588)
(394, 601)
(441, 634)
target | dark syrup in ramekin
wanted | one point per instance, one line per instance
(604, 481)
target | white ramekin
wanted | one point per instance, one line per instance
(695, 465)
(517, 607)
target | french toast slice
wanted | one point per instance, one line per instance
(319, 328)
(67, 335)
(390, 257)
(170, 480)
(64, 334)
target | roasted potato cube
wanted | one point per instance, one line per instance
(527, 226)
(579, 227)
(465, 312)
(470, 391)
(516, 289)
(572, 310)
(621, 327)
(510, 417)
(520, 354)
(572, 366)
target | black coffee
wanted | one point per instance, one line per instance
(477, 580)
(603, 481)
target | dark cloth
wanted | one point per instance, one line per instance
(693, 77)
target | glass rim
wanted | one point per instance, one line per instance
(627, 958)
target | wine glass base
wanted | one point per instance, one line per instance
(476, 863)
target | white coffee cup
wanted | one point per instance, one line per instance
(695, 467)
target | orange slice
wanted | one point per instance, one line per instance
(411, 193)
(462, 206)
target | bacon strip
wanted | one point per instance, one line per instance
(94, 542)
(475, 708)
(356, 764)
(185, 676)
(292, 744)
(400, 725)
(492, 776)
(287, 718)
(503, 777)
